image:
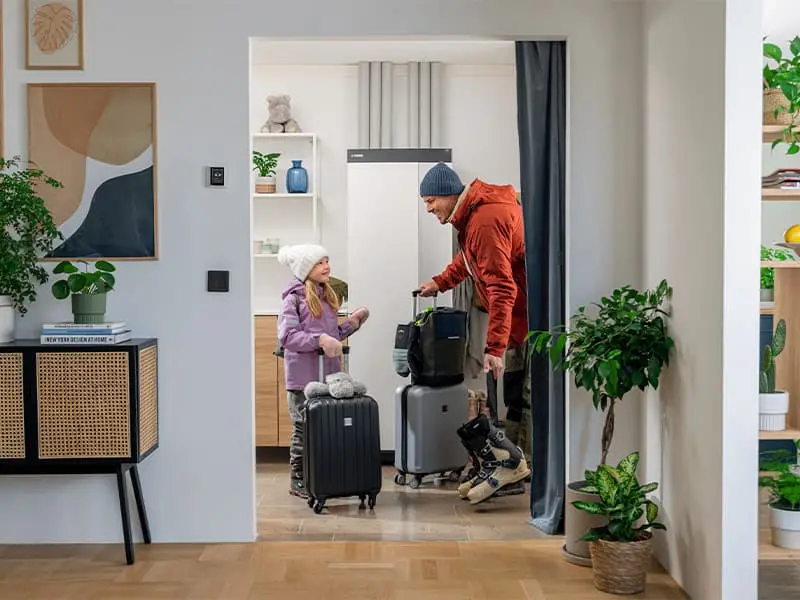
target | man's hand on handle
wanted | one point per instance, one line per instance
(428, 289)
(493, 364)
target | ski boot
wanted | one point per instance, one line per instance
(502, 464)
(470, 478)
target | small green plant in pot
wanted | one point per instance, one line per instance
(782, 479)
(88, 288)
(773, 404)
(622, 345)
(265, 166)
(27, 233)
(621, 549)
(768, 273)
(781, 90)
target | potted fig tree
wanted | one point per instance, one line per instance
(88, 288)
(265, 165)
(773, 404)
(621, 548)
(782, 479)
(27, 233)
(621, 345)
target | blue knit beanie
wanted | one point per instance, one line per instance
(441, 180)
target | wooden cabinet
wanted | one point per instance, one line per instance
(273, 425)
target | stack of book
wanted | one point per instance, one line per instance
(90, 334)
(782, 178)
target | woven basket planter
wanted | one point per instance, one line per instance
(621, 567)
(774, 98)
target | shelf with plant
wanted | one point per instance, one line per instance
(621, 548)
(265, 166)
(621, 345)
(768, 273)
(87, 285)
(773, 404)
(781, 477)
(781, 91)
(27, 234)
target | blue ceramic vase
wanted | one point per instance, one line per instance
(297, 178)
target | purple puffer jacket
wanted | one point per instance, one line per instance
(298, 333)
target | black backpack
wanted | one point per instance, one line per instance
(432, 347)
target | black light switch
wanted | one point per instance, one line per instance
(216, 176)
(219, 281)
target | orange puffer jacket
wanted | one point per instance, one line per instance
(490, 233)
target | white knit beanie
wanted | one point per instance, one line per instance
(301, 258)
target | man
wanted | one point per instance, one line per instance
(488, 220)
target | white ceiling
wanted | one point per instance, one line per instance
(338, 52)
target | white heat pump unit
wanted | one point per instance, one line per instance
(393, 245)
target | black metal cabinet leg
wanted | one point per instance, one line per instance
(126, 517)
(137, 493)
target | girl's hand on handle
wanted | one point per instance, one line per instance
(331, 346)
(360, 315)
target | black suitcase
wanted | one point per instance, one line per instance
(342, 448)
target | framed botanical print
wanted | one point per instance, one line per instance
(54, 34)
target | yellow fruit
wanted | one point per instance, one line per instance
(792, 235)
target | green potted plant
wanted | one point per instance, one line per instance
(623, 345)
(773, 405)
(27, 233)
(782, 479)
(768, 273)
(781, 89)
(265, 165)
(621, 548)
(88, 288)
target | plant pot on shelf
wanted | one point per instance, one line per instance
(578, 522)
(785, 526)
(767, 295)
(89, 308)
(7, 314)
(621, 567)
(775, 99)
(772, 411)
(265, 185)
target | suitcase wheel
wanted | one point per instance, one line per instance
(400, 479)
(372, 500)
(311, 502)
(362, 506)
(319, 507)
(415, 483)
(455, 475)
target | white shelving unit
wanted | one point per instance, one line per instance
(273, 142)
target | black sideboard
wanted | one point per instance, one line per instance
(81, 409)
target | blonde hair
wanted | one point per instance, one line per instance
(314, 302)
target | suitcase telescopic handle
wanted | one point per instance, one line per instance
(415, 295)
(321, 353)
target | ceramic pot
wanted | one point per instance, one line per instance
(7, 314)
(89, 308)
(772, 410)
(297, 178)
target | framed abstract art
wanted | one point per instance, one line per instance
(54, 34)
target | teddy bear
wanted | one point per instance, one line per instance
(280, 115)
(337, 385)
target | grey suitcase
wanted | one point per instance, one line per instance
(426, 438)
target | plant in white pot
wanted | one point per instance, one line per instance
(622, 548)
(773, 405)
(27, 233)
(622, 346)
(265, 166)
(782, 479)
(88, 288)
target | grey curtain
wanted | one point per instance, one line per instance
(541, 121)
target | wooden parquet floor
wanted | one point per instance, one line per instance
(484, 570)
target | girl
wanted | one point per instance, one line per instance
(309, 321)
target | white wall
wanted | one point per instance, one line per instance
(200, 484)
(479, 123)
(701, 229)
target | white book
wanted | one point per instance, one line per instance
(85, 340)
